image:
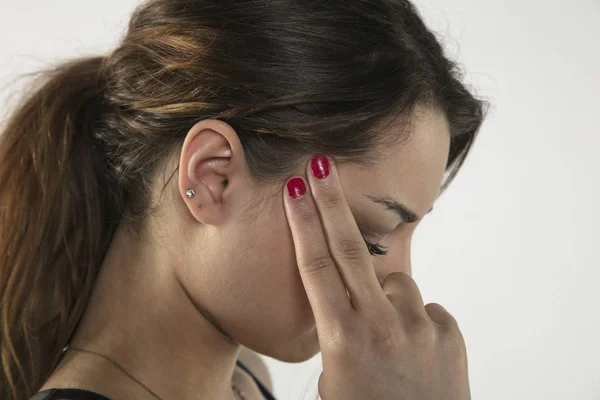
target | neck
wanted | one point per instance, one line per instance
(141, 317)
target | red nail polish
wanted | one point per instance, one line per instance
(320, 166)
(296, 187)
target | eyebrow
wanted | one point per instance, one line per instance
(405, 213)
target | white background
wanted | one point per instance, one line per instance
(511, 250)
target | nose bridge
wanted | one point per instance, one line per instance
(400, 261)
(406, 260)
(404, 263)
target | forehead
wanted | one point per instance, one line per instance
(411, 172)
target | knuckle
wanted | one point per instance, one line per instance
(440, 315)
(318, 264)
(422, 332)
(452, 333)
(400, 278)
(401, 283)
(306, 212)
(350, 249)
(383, 339)
(453, 342)
(419, 326)
(446, 324)
(330, 199)
(340, 340)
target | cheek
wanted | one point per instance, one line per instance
(271, 275)
(250, 282)
(273, 271)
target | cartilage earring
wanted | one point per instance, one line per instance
(190, 193)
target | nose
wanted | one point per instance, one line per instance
(399, 261)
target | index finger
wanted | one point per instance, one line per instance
(322, 281)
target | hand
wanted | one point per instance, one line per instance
(376, 343)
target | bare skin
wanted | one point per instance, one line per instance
(219, 271)
(89, 372)
(378, 341)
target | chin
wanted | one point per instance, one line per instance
(299, 350)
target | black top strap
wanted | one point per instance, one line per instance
(81, 394)
(68, 394)
(263, 389)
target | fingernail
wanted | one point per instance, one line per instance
(320, 166)
(296, 187)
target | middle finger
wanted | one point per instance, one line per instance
(343, 235)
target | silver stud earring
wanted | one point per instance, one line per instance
(190, 193)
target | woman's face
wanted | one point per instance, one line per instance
(236, 258)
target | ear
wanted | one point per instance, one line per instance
(211, 162)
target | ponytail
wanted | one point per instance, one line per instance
(56, 220)
(82, 152)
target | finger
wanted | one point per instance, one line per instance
(439, 314)
(322, 281)
(345, 240)
(404, 294)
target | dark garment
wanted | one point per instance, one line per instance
(67, 394)
(80, 394)
(263, 389)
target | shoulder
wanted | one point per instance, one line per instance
(257, 365)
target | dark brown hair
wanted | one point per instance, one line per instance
(80, 151)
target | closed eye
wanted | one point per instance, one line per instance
(375, 249)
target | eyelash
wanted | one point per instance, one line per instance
(375, 248)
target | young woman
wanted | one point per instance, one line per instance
(164, 219)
